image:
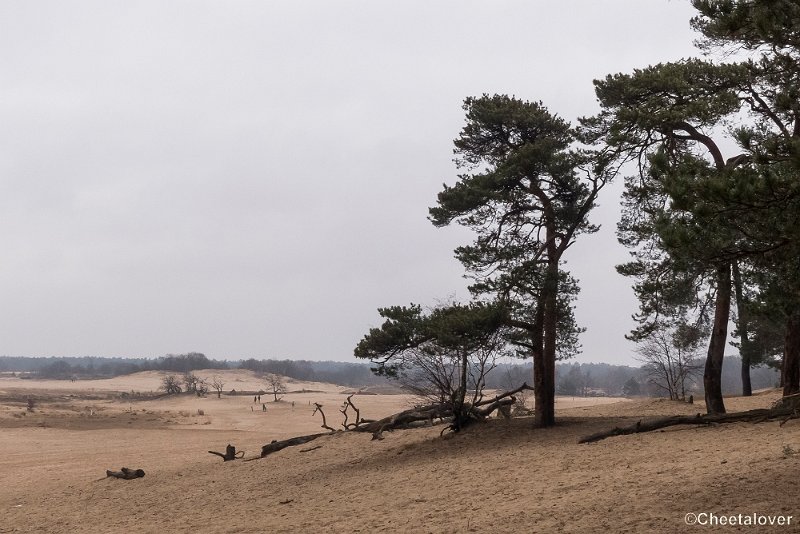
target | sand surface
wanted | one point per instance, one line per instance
(501, 476)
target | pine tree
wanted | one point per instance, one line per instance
(526, 193)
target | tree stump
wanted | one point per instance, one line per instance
(230, 453)
(125, 473)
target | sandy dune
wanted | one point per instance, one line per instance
(501, 476)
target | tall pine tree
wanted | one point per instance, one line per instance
(526, 193)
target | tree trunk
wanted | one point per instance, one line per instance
(459, 413)
(790, 372)
(753, 416)
(537, 350)
(545, 380)
(276, 446)
(783, 366)
(747, 386)
(712, 376)
(744, 346)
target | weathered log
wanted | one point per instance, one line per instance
(753, 416)
(230, 453)
(503, 404)
(432, 411)
(125, 473)
(504, 395)
(276, 446)
(404, 418)
(376, 427)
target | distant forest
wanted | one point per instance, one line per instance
(91, 367)
(575, 379)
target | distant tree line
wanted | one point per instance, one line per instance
(64, 368)
(342, 373)
(571, 379)
(87, 367)
(69, 367)
(593, 379)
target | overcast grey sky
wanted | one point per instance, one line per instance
(252, 178)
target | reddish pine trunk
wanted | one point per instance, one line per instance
(459, 413)
(744, 346)
(790, 373)
(712, 376)
(539, 368)
(537, 349)
(545, 375)
(544, 392)
(747, 386)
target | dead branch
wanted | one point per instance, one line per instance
(752, 416)
(318, 408)
(311, 448)
(230, 453)
(347, 404)
(485, 410)
(343, 411)
(511, 393)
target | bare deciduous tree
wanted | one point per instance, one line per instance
(171, 384)
(217, 384)
(201, 387)
(442, 355)
(669, 359)
(190, 380)
(436, 375)
(275, 385)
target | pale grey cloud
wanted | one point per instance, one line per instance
(252, 178)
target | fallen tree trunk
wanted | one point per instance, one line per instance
(405, 418)
(430, 412)
(376, 427)
(505, 395)
(486, 410)
(754, 416)
(276, 446)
